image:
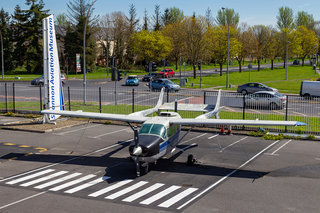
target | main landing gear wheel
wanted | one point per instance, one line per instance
(191, 160)
(144, 168)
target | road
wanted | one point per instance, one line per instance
(86, 169)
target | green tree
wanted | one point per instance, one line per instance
(244, 36)
(261, 37)
(145, 20)
(77, 11)
(285, 18)
(194, 40)
(156, 18)
(308, 41)
(132, 28)
(218, 37)
(227, 17)
(171, 15)
(305, 19)
(151, 46)
(6, 33)
(271, 47)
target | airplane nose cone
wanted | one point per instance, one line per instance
(137, 150)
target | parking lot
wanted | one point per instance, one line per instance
(87, 168)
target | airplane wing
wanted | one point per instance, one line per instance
(105, 116)
(136, 117)
(210, 122)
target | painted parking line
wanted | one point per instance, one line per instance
(109, 133)
(110, 188)
(72, 183)
(29, 177)
(86, 185)
(75, 130)
(298, 113)
(317, 158)
(43, 178)
(227, 176)
(193, 138)
(213, 136)
(273, 153)
(233, 143)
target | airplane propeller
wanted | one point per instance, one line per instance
(137, 150)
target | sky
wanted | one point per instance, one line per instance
(253, 12)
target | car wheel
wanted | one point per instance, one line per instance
(307, 96)
(244, 92)
(273, 105)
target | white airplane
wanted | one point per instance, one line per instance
(158, 135)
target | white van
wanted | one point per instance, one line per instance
(310, 89)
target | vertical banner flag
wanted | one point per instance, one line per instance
(78, 65)
(51, 68)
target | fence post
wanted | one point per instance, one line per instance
(6, 95)
(244, 109)
(132, 100)
(167, 95)
(69, 98)
(204, 97)
(287, 98)
(14, 98)
(100, 99)
(40, 98)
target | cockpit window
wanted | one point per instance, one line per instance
(153, 129)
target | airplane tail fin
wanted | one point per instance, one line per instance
(215, 111)
(51, 69)
(152, 110)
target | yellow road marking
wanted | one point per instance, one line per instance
(28, 154)
(281, 113)
(41, 149)
(229, 109)
(13, 158)
(252, 110)
(24, 146)
(298, 113)
(9, 144)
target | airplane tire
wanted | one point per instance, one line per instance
(191, 160)
(144, 169)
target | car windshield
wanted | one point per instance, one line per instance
(168, 82)
(278, 94)
(132, 77)
(153, 129)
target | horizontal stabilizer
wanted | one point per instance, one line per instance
(188, 107)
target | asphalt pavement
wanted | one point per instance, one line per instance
(87, 169)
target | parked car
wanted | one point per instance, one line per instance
(296, 62)
(266, 99)
(40, 81)
(132, 80)
(254, 87)
(157, 84)
(310, 89)
(148, 76)
(167, 73)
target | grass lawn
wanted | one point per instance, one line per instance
(274, 78)
(312, 122)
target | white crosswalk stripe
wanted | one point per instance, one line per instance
(177, 197)
(143, 192)
(109, 188)
(130, 191)
(126, 190)
(72, 183)
(43, 179)
(59, 180)
(86, 185)
(160, 195)
(29, 176)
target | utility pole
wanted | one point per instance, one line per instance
(2, 61)
(84, 55)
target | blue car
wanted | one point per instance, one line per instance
(132, 80)
(157, 84)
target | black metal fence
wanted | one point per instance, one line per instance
(15, 97)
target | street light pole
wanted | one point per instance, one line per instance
(84, 55)
(226, 18)
(287, 60)
(2, 61)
